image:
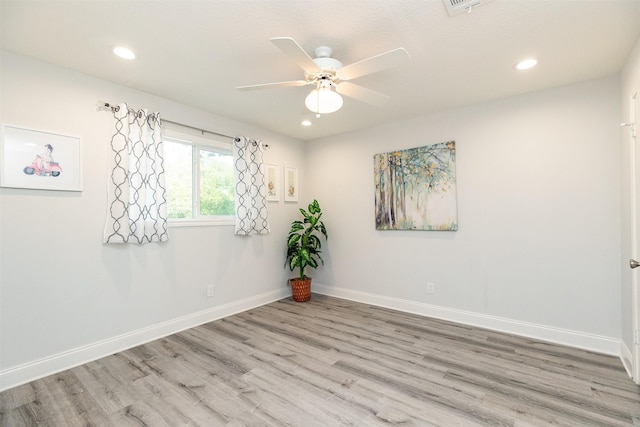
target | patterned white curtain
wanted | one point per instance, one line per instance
(137, 205)
(251, 191)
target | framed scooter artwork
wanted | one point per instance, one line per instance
(39, 160)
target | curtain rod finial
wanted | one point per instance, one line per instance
(101, 105)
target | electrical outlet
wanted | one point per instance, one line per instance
(431, 288)
(210, 290)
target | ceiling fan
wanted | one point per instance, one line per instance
(331, 78)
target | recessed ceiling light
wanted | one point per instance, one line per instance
(525, 64)
(124, 52)
(306, 123)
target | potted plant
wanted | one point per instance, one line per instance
(303, 249)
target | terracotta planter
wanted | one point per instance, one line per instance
(301, 289)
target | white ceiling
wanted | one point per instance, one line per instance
(197, 52)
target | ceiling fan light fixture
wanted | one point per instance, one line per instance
(323, 101)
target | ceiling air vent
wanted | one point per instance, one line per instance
(455, 7)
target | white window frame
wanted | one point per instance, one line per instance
(198, 141)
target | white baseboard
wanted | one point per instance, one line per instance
(24, 373)
(627, 358)
(591, 342)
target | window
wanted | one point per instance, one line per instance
(199, 180)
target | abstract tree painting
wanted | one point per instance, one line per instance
(416, 188)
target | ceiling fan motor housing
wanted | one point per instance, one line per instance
(324, 60)
(329, 66)
(328, 63)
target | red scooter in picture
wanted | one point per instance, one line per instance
(43, 164)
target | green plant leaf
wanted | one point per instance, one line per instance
(293, 239)
(313, 263)
(305, 214)
(323, 230)
(314, 241)
(296, 226)
(314, 207)
(293, 262)
(304, 253)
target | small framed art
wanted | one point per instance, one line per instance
(272, 181)
(39, 160)
(290, 184)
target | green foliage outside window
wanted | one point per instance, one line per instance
(215, 181)
(216, 184)
(178, 179)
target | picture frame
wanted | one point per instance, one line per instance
(272, 181)
(291, 189)
(39, 160)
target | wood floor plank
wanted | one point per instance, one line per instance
(333, 362)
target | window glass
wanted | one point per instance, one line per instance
(199, 180)
(178, 179)
(216, 183)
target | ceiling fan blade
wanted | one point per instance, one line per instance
(380, 62)
(292, 83)
(295, 52)
(362, 94)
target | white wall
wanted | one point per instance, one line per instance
(65, 296)
(630, 84)
(538, 246)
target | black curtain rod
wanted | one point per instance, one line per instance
(106, 105)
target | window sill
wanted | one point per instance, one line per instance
(204, 222)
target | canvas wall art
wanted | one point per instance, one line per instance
(415, 189)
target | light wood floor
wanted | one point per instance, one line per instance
(332, 362)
